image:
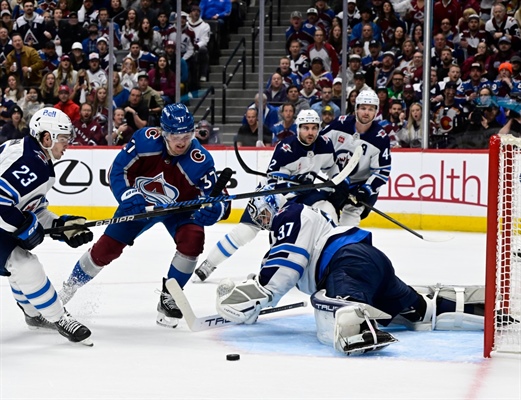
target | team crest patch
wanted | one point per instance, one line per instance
(197, 156)
(286, 147)
(381, 133)
(41, 156)
(341, 139)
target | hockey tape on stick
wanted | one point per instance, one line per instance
(220, 184)
(198, 324)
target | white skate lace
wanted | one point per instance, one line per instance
(68, 323)
(167, 301)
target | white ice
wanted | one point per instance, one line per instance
(133, 358)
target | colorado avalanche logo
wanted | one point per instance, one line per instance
(197, 156)
(156, 190)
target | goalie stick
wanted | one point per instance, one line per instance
(220, 184)
(198, 324)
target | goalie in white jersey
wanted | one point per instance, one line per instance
(297, 159)
(26, 175)
(352, 283)
(346, 134)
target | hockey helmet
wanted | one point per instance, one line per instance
(176, 119)
(52, 120)
(367, 97)
(307, 117)
(258, 207)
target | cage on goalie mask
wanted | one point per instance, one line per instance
(262, 209)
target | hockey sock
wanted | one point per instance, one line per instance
(181, 268)
(84, 270)
(231, 242)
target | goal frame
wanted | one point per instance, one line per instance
(498, 241)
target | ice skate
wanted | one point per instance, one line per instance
(204, 270)
(67, 292)
(168, 313)
(73, 330)
(38, 322)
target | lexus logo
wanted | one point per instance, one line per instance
(75, 177)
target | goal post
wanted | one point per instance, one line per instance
(503, 254)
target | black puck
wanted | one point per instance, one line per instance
(233, 357)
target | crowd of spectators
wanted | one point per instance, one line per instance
(475, 77)
(56, 53)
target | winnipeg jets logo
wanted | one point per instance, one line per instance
(381, 133)
(286, 147)
(41, 156)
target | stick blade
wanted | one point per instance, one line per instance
(437, 238)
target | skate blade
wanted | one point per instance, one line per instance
(166, 322)
(40, 329)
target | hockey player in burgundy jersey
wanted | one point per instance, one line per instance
(158, 166)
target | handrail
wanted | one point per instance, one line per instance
(255, 31)
(226, 82)
(211, 109)
(278, 12)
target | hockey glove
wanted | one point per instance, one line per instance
(210, 214)
(362, 195)
(73, 237)
(341, 194)
(132, 202)
(30, 234)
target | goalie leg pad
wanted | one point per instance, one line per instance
(242, 302)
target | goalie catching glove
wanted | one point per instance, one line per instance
(74, 237)
(242, 302)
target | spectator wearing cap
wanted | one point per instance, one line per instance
(298, 61)
(476, 81)
(79, 60)
(337, 90)
(354, 65)
(395, 88)
(90, 44)
(103, 52)
(504, 54)
(144, 59)
(15, 128)
(6, 21)
(383, 73)
(503, 85)
(409, 97)
(88, 131)
(357, 47)
(293, 97)
(151, 98)
(321, 77)
(326, 100)
(448, 118)
(103, 27)
(366, 17)
(30, 26)
(394, 122)
(374, 58)
(328, 115)
(299, 30)
(65, 74)
(28, 63)
(73, 32)
(323, 50)
(66, 104)
(500, 25)
(202, 34)
(309, 92)
(97, 76)
(358, 83)
(469, 38)
(286, 126)
(312, 18)
(383, 97)
(49, 57)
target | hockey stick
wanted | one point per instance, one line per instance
(427, 238)
(220, 184)
(198, 324)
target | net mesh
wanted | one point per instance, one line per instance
(507, 310)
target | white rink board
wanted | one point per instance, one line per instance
(423, 183)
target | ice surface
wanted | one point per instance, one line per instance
(133, 358)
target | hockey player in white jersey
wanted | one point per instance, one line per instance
(26, 175)
(346, 134)
(297, 159)
(352, 283)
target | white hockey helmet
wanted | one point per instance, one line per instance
(367, 97)
(52, 120)
(307, 117)
(257, 207)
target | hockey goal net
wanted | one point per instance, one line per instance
(503, 273)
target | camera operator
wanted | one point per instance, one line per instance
(513, 125)
(206, 134)
(121, 131)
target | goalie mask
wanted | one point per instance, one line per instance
(262, 209)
